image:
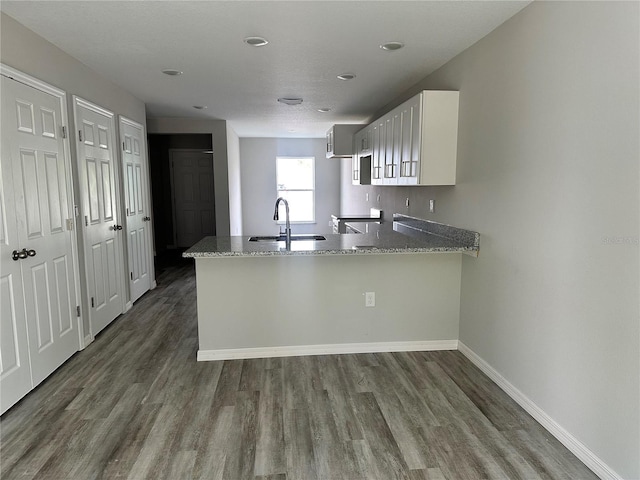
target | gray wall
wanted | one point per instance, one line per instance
(307, 300)
(218, 131)
(258, 174)
(23, 50)
(548, 173)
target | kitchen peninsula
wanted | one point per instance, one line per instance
(259, 299)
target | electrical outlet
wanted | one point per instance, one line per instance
(406, 203)
(366, 197)
(432, 206)
(370, 299)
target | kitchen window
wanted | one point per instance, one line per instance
(295, 178)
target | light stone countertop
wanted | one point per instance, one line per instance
(417, 237)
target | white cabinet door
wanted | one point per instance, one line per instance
(100, 209)
(355, 162)
(392, 143)
(39, 296)
(410, 142)
(377, 165)
(136, 195)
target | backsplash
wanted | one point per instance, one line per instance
(393, 199)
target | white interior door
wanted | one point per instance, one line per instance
(39, 288)
(193, 196)
(100, 212)
(136, 195)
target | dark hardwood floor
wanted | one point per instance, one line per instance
(135, 404)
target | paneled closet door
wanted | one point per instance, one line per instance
(101, 220)
(136, 195)
(37, 240)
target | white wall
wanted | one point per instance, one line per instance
(235, 187)
(258, 173)
(548, 173)
(218, 131)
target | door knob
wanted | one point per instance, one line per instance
(116, 227)
(146, 219)
(22, 254)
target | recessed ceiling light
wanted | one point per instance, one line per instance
(256, 41)
(290, 100)
(324, 110)
(347, 76)
(392, 46)
(171, 72)
(199, 107)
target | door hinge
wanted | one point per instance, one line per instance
(64, 132)
(92, 303)
(86, 221)
(131, 275)
(123, 147)
(69, 224)
(76, 210)
(78, 310)
(80, 135)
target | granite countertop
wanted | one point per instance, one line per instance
(404, 235)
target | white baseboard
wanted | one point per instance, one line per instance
(128, 306)
(332, 349)
(575, 446)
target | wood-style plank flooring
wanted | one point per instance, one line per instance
(135, 404)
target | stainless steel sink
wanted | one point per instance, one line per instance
(282, 238)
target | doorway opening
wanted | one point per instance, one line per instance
(181, 170)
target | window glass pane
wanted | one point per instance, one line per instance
(300, 206)
(295, 173)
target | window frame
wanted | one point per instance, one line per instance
(282, 219)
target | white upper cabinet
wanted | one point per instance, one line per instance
(340, 140)
(361, 166)
(416, 143)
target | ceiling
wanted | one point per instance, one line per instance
(310, 43)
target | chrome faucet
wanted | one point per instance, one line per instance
(287, 230)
